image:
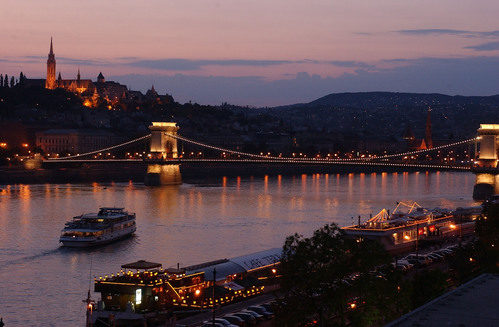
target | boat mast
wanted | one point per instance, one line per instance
(88, 300)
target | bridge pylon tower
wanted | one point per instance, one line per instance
(488, 137)
(163, 147)
(486, 169)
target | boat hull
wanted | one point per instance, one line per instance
(85, 243)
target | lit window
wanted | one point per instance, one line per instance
(138, 296)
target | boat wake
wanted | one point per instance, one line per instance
(28, 259)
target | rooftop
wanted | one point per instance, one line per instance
(163, 124)
(142, 264)
(471, 304)
(76, 131)
(237, 265)
(489, 126)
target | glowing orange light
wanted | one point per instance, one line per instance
(407, 237)
(353, 305)
(197, 292)
(274, 270)
(452, 226)
(25, 145)
(3, 145)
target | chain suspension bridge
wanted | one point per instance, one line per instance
(163, 150)
(162, 161)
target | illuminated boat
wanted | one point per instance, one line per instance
(143, 291)
(108, 225)
(401, 230)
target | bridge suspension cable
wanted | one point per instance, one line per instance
(105, 149)
(222, 149)
(178, 137)
(267, 157)
(425, 150)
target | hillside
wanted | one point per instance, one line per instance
(384, 116)
(393, 99)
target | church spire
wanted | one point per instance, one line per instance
(50, 82)
(78, 76)
(428, 138)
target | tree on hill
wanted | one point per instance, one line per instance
(6, 81)
(12, 81)
(22, 79)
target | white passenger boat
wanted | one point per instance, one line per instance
(108, 225)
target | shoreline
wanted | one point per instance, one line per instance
(103, 173)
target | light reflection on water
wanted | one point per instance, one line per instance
(42, 284)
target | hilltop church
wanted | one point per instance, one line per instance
(111, 91)
(94, 92)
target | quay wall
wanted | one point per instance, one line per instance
(136, 172)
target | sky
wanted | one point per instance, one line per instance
(259, 52)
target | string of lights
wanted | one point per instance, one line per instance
(283, 159)
(322, 159)
(319, 162)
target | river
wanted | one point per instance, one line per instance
(42, 284)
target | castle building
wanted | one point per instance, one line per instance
(108, 90)
(96, 93)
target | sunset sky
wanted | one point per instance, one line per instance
(260, 52)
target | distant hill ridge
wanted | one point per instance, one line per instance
(384, 99)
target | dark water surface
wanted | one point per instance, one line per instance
(42, 284)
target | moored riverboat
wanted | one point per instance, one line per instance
(143, 291)
(106, 226)
(402, 230)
